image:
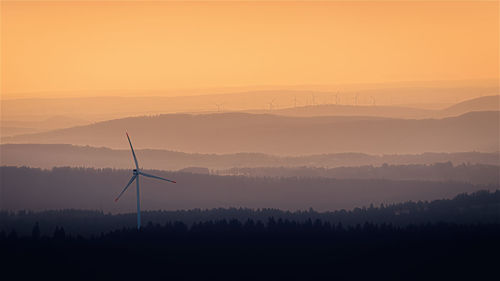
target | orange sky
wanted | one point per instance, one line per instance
(100, 46)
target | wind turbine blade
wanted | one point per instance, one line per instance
(133, 153)
(131, 180)
(156, 177)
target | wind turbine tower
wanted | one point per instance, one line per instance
(336, 98)
(135, 177)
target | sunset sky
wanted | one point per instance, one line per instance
(50, 47)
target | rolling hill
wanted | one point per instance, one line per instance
(23, 116)
(282, 135)
(54, 155)
(352, 110)
(13, 127)
(486, 103)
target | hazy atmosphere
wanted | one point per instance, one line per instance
(50, 48)
(252, 134)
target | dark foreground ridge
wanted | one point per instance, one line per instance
(278, 249)
(440, 240)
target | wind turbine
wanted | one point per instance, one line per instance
(219, 107)
(271, 105)
(136, 173)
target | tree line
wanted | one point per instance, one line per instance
(276, 250)
(448, 239)
(89, 188)
(49, 155)
(478, 207)
(445, 171)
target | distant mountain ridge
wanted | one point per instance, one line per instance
(11, 128)
(486, 103)
(53, 155)
(352, 110)
(23, 116)
(283, 135)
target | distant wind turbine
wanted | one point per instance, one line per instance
(336, 98)
(136, 173)
(271, 105)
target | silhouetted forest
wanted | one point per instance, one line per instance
(477, 174)
(478, 207)
(440, 240)
(86, 188)
(51, 155)
(253, 250)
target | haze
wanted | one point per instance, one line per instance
(70, 48)
(306, 139)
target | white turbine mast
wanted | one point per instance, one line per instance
(135, 176)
